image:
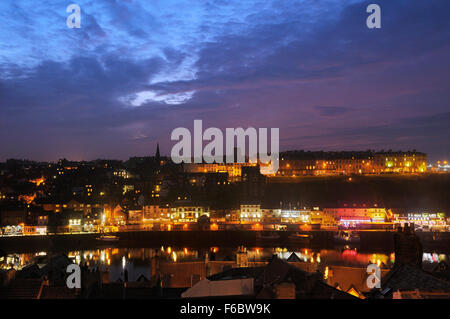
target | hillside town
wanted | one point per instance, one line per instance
(153, 193)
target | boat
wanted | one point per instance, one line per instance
(108, 238)
(267, 236)
(346, 237)
(300, 238)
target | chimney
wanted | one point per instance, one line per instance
(408, 249)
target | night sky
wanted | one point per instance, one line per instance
(136, 70)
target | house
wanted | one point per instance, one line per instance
(135, 215)
(156, 212)
(188, 213)
(407, 279)
(118, 216)
(277, 280)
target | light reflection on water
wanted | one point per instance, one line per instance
(137, 261)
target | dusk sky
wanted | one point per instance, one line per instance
(136, 70)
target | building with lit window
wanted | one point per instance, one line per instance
(250, 213)
(234, 170)
(123, 173)
(355, 166)
(352, 216)
(440, 167)
(135, 215)
(296, 167)
(85, 206)
(401, 162)
(295, 216)
(152, 212)
(346, 163)
(185, 213)
(424, 221)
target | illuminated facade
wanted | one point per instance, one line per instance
(234, 170)
(424, 220)
(322, 218)
(250, 213)
(271, 215)
(296, 167)
(370, 163)
(74, 205)
(295, 216)
(354, 216)
(399, 162)
(188, 213)
(117, 216)
(356, 166)
(156, 212)
(135, 216)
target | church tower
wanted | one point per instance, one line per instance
(157, 155)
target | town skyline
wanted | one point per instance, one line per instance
(152, 153)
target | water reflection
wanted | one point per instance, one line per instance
(138, 261)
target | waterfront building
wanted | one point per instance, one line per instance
(319, 217)
(224, 215)
(296, 216)
(187, 213)
(135, 215)
(232, 215)
(117, 216)
(68, 221)
(423, 221)
(352, 216)
(250, 213)
(152, 212)
(93, 220)
(271, 215)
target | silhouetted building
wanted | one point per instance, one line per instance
(407, 279)
(277, 280)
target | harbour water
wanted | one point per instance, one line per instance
(137, 261)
